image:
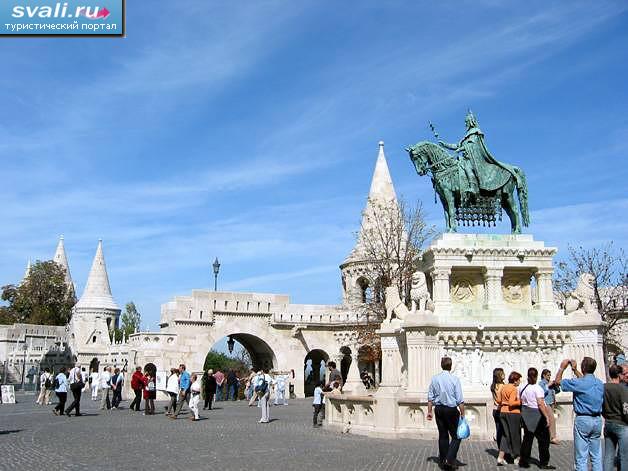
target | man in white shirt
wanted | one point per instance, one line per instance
(45, 387)
(319, 405)
(76, 386)
(105, 386)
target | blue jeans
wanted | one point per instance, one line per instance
(586, 441)
(219, 392)
(615, 441)
(232, 392)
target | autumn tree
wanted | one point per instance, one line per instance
(43, 297)
(608, 266)
(391, 239)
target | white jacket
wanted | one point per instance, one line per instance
(172, 385)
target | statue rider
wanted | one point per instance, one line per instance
(466, 162)
(482, 170)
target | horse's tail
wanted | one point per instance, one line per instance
(522, 193)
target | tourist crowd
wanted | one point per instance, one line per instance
(525, 412)
(182, 388)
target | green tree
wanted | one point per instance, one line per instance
(129, 322)
(219, 361)
(43, 297)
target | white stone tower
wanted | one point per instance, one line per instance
(96, 313)
(357, 276)
(61, 259)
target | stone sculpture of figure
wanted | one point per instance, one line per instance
(582, 299)
(419, 294)
(394, 305)
(483, 171)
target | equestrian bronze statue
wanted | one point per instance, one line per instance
(473, 187)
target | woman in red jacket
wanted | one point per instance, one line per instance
(138, 385)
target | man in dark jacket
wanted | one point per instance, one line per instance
(209, 388)
(137, 385)
(232, 385)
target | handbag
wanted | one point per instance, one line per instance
(463, 431)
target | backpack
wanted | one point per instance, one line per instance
(261, 387)
(48, 383)
(55, 383)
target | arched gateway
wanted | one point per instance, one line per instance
(279, 336)
(295, 334)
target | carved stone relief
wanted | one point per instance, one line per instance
(515, 289)
(462, 290)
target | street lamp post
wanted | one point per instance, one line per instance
(216, 266)
(230, 344)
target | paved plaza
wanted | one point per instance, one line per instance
(229, 438)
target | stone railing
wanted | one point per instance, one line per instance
(360, 415)
(323, 317)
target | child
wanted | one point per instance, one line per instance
(319, 405)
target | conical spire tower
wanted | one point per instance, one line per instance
(61, 259)
(97, 293)
(381, 195)
(357, 269)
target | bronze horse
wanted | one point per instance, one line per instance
(451, 183)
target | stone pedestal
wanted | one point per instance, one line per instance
(484, 317)
(423, 354)
(354, 384)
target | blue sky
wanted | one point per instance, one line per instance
(249, 130)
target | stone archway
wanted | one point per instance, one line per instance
(315, 368)
(262, 355)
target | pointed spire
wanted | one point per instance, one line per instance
(97, 293)
(382, 189)
(382, 193)
(61, 259)
(27, 271)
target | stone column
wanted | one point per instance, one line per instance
(391, 359)
(354, 384)
(440, 283)
(386, 412)
(493, 286)
(423, 358)
(544, 290)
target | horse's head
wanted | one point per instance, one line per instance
(418, 158)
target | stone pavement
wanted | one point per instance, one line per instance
(229, 438)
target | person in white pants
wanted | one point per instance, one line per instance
(195, 390)
(44, 392)
(264, 397)
(280, 390)
(95, 378)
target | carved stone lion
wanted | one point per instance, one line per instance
(419, 294)
(581, 300)
(394, 305)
